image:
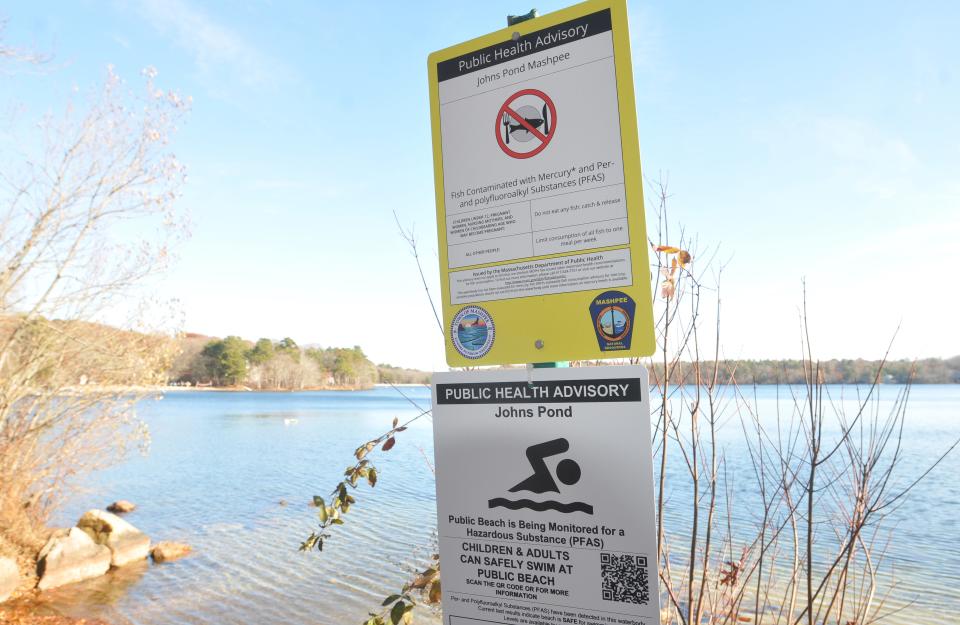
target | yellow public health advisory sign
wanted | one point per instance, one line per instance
(542, 241)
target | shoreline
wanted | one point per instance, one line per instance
(245, 389)
(164, 389)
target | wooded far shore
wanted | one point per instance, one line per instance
(233, 362)
(837, 371)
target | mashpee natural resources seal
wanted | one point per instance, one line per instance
(472, 332)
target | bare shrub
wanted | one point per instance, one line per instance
(87, 217)
(825, 474)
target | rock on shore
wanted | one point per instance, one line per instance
(121, 506)
(70, 556)
(167, 551)
(9, 578)
(125, 542)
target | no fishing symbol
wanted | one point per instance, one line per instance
(526, 123)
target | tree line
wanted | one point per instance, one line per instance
(281, 365)
(843, 371)
(267, 364)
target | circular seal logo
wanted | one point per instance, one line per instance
(613, 323)
(472, 332)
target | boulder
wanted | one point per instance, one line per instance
(9, 578)
(121, 507)
(70, 556)
(126, 543)
(167, 551)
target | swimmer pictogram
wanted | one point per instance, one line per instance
(542, 480)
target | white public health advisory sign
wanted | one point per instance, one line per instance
(545, 497)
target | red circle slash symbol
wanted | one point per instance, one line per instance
(524, 129)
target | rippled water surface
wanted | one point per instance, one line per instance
(220, 465)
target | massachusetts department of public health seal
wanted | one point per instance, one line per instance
(472, 332)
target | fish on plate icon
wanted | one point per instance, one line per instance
(526, 123)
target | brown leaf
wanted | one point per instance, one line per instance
(668, 289)
(424, 578)
(684, 257)
(730, 575)
(387, 446)
(435, 594)
(667, 249)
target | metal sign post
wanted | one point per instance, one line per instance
(544, 475)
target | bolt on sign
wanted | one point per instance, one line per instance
(542, 241)
(545, 497)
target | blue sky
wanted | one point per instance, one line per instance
(813, 140)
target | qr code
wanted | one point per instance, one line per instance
(625, 578)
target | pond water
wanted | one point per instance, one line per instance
(232, 474)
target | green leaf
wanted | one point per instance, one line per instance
(318, 501)
(337, 521)
(308, 544)
(372, 477)
(390, 600)
(396, 614)
(323, 513)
